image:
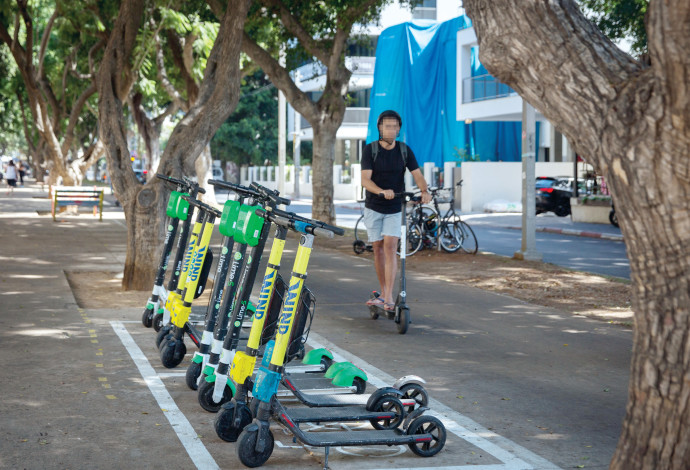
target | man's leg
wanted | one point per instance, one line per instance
(380, 264)
(390, 246)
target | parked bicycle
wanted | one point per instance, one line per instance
(426, 229)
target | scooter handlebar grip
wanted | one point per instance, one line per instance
(270, 194)
(322, 232)
(243, 190)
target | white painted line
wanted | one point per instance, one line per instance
(513, 456)
(185, 432)
(171, 375)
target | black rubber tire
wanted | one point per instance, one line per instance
(223, 421)
(246, 451)
(360, 385)
(415, 237)
(205, 395)
(404, 320)
(157, 321)
(469, 239)
(359, 247)
(360, 235)
(450, 239)
(147, 317)
(192, 375)
(172, 353)
(427, 425)
(389, 403)
(417, 393)
(562, 209)
(326, 362)
(613, 218)
(164, 334)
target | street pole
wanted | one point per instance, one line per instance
(296, 142)
(282, 125)
(528, 250)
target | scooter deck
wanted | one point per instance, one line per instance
(318, 401)
(342, 413)
(358, 438)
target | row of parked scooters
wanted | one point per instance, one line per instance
(245, 366)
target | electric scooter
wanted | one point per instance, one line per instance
(173, 349)
(401, 314)
(159, 293)
(423, 434)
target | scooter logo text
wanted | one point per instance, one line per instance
(288, 307)
(196, 264)
(264, 295)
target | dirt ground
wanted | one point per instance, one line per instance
(535, 282)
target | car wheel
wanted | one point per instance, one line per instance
(562, 209)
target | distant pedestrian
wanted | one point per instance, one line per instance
(21, 169)
(11, 176)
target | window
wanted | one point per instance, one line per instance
(425, 11)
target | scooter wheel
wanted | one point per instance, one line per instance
(205, 395)
(427, 425)
(172, 353)
(157, 321)
(147, 317)
(373, 313)
(161, 336)
(223, 422)
(359, 247)
(404, 320)
(392, 404)
(246, 448)
(360, 385)
(417, 393)
(192, 375)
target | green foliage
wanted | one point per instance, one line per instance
(250, 134)
(620, 19)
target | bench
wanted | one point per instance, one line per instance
(92, 198)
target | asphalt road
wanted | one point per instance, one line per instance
(594, 255)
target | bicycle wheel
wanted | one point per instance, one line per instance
(469, 240)
(414, 240)
(360, 230)
(451, 237)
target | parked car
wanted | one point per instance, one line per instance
(553, 194)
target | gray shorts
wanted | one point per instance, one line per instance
(381, 225)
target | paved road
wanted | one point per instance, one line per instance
(593, 255)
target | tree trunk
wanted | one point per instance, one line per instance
(145, 206)
(203, 166)
(322, 175)
(632, 122)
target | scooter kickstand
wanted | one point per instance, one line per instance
(325, 463)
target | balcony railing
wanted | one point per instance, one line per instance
(484, 87)
(353, 117)
(357, 65)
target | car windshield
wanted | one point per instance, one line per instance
(544, 183)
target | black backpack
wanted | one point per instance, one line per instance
(375, 152)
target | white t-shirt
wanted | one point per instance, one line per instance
(11, 173)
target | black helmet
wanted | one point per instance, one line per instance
(389, 113)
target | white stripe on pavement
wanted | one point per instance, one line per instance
(185, 432)
(513, 456)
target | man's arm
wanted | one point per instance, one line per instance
(421, 184)
(372, 187)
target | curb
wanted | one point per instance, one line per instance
(576, 233)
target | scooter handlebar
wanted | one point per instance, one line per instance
(201, 205)
(190, 185)
(300, 224)
(270, 194)
(317, 223)
(238, 188)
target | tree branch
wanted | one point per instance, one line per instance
(178, 54)
(279, 76)
(217, 7)
(28, 23)
(44, 42)
(292, 24)
(77, 107)
(668, 39)
(584, 73)
(165, 81)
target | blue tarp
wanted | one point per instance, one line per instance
(416, 75)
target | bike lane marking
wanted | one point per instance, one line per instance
(196, 450)
(512, 455)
